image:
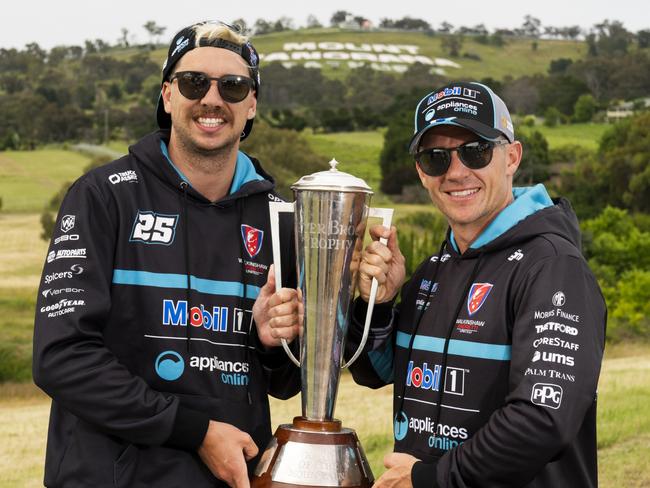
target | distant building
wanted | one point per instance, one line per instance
(354, 23)
(623, 110)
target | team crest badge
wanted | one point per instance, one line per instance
(67, 222)
(477, 296)
(252, 239)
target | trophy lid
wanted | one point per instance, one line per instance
(332, 180)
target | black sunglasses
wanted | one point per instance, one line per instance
(474, 155)
(194, 85)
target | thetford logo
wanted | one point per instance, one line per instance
(67, 223)
(252, 239)
(547, 395)
(552, 357)
(556, 327)
(169, 365)
(478, 293)
(175, 313)
(129, 176)
(75, 269)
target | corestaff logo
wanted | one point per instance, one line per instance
(478, 293)
(252, 239)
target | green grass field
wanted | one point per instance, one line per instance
(585, 135)
(28, 179)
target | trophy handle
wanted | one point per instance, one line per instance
(274, 211)
(386, 214)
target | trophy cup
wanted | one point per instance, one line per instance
(330, 214)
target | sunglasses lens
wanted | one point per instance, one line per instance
(476, 155)
(233, 88)
(193, 85)
(434, 162)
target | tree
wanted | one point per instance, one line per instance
(535, 161)
(446, 28)
(313, 22)
(643, 38)
(124, 37)
(155, 31)
(531, 26)
(339, 17)
(585, 108)
(452, 44)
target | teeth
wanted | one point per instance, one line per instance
(463, 193)
(211, 122)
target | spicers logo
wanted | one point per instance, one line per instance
(478, 293)
(252, 239)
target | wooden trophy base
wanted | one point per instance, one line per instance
(311, 453)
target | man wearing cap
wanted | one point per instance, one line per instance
(156, 330)
(495, 347)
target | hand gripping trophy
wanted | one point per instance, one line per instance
(330, 213)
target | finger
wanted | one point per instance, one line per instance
(380, 258)
(376, 248)
(377, 231)
(250, 450)
(390, 460)
(270, 280)
(369, 271)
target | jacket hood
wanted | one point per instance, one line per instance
(249, 177)
(531, 214)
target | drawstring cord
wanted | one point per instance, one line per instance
(242, 301)
(186, 235)
(422, 310)
(450, 330)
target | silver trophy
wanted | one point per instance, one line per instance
(331, 209)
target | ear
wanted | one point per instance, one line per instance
(252, 110)
(166, 96)
(513, 157)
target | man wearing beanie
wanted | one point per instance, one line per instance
(156, 331)
(495, 347)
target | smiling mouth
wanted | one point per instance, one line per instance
(463, 193)
(211, 121)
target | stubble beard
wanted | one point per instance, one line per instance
(207, 160)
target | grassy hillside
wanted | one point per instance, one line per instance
(515, 58)
(28, 179)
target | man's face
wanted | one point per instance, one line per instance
(469, 198)
(208, 124)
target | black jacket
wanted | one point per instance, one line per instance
(508, 338)
(134, 251)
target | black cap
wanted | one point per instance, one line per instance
(465, 104)
(183, 42)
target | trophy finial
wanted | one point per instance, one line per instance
(333, 164)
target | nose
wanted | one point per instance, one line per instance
(457, 170)
(212, 97)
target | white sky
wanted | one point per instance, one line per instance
(58, 22)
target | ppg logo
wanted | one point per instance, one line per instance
(169, 365)
(547, 395)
